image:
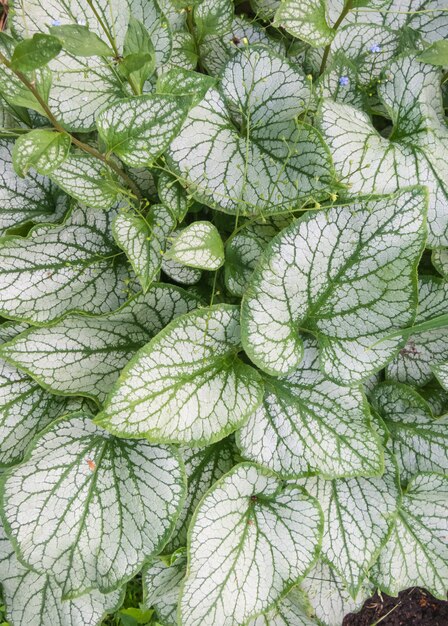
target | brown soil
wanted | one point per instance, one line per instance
(413, 607)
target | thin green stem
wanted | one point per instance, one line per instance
(347, 8)
(112, 42)
(58, 126)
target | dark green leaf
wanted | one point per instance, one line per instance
(31, 54)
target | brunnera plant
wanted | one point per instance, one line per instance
(224, 302)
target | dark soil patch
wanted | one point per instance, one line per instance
(413, 607)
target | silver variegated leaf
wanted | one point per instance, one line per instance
(187, 385)
(138, 130)
(424, 350)
(272, 163)
(359, 515)
(199, 245)
(84, 355)
(22, 200)
(418, 440)
(91, 508)
(440, 260)
(33, 598)
(80, 86)
(305, 19)
(173, 195)
(61, 269)
(329, 597)
(441, 372)
(249, 521)
(161, 587)
(293, 610)
(308, 424)
(144, 240)
(370, 163)
(348, 275)
(88, 180)
(203, 466)
(416, 554)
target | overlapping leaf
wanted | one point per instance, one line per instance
(30, 596)
(22, 200)
(371, 163)
(144, 240)
(198, 245)
(308, 424)
(187, 385)
(84, 355)
(418, 440)
(90, 508)
(58, 269)
(359, 515)
(83, 86)
(241, 149)
(413, 364)
(416, 554)
(348, 275)
(203, 466)
(161, 587)
(249, 521)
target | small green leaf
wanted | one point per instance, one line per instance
(136, 616)
(139, 55)
(173, 195)
(43, 150)
(305, 19)
(31, 54)
(193, 357)
(198, 245)
(80, 41)
(139, 129)
(436, 54)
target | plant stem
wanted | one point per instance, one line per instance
(57, 126)
(347, 7)
(112, 42)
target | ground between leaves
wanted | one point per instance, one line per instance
(413, 607)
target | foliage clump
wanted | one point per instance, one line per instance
(224, 302)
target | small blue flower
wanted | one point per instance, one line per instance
(55, 22)
(343, 81)
(375, 48)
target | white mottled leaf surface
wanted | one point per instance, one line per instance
(199, 245)
(305, 19)
(139, 129)
(83, 355)
(58, 269)
(418, 440)
(371, 163)
(88, 180)
(161, 587)
(416, 554)
(424, 350)
(144, 240)
(33, 598)
(348, 275)
(329, 597)
(249, 521)
(187, 385)
(308, 424)
(91, 508)
(359, 514)
(241, 149)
